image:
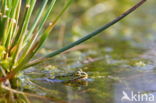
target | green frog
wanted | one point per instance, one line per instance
(72, 77)
(76, 77)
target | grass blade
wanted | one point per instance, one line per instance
(39, 43)
(31, 42)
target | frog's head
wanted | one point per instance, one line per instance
(81, 74)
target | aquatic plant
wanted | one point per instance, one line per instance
(19, 41)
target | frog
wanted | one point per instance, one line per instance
(72, 77)
(75, 77)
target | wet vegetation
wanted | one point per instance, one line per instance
(34, 32)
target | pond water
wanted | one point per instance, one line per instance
(121, 66)
(112, 69)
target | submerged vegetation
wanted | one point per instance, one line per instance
(20, 41)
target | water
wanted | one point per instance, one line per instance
(112, 70)
(122, 62)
